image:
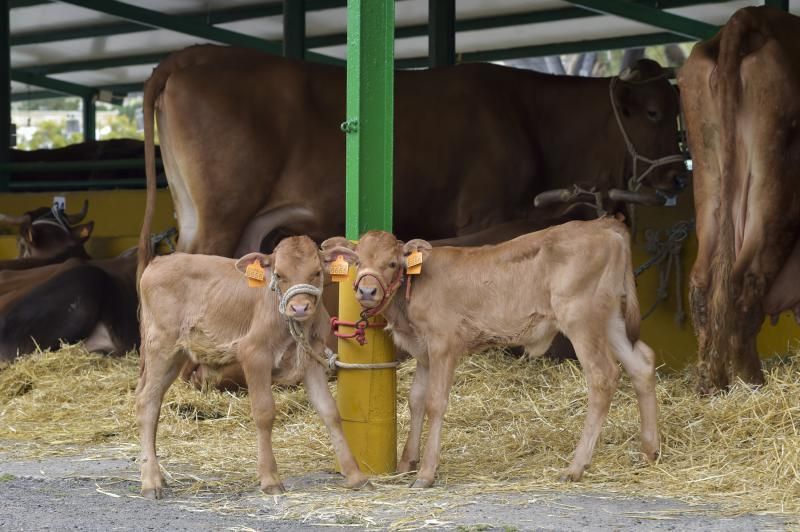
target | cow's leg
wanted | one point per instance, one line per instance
(639, 362)
(320, 395)
(159, 369)
(416, 404)
(258, 372)
(602, 376)
(442, 365)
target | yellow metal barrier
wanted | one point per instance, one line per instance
(367, 397)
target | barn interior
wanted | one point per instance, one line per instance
(103, 50)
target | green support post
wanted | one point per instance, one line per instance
(370, 121)
(367, 398)
(5, 89)
(89, 118)
(294, 28)
(441, 33)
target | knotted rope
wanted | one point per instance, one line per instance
(666, 252)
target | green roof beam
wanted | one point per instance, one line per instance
(183, 25)
(95, 64)
(540, 50)
(677, 24)
(52, 84)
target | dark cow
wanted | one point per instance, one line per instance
(75, 300)
(740, 97)
(252, 144)
(48, 235)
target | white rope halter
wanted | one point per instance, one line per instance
(635, 181)
(295, 328)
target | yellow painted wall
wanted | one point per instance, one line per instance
(675, 345)
(118, 217)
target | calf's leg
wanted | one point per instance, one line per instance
(258, 373)
(316, 384)
(416, 404)
(157, 374)
(440, 379)
(639, 362)
(602, 376)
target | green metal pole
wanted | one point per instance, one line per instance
(294, 28)
(367, 398)
(5, 89)
(441, 33)
(89, 117)
(370, 121)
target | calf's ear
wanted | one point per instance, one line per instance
(330, 254)
(264, 260)
(337, 241)
(423, 246)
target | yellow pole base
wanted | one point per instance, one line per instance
(367, 397)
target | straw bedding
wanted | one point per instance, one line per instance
(511, 426)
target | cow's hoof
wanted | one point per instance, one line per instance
(275, 489)
(421, 483)
(153, 494)
(651, 456)
(365, 485)
(407, 467)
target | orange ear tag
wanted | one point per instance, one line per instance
(84, 232)
(414, 263)
(255, 275)
(339, 269)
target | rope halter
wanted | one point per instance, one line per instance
(58, 219)
(636, 179)
(295, 328)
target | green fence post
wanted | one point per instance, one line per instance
(441, 33)
(294, 28)
(89, 118)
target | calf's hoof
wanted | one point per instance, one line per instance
(651, 455)
(421, 483)
(572, 474)
(275, 489)
(153, 493)
(407, 467)
(364, 485)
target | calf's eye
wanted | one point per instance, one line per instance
(393, 264)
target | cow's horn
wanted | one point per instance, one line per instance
(13, 220)
(628, 74)
(77, 217)
(642, 198)
(551, 197)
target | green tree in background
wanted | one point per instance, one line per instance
(51, 134)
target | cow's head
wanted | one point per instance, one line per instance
(380, 258)
(648, 109)
(294, 272)
(49, 231)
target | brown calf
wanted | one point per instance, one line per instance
(199, 307)
(575, 278)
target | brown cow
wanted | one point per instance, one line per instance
(198, 307)
(575, 278)
(739, 92)
(252, 145)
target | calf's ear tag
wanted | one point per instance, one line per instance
(414, 263)
(339, 269)
(255, 275)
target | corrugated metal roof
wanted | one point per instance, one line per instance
(31, 22)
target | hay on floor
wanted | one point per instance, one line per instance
(511, 426)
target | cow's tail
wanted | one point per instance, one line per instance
(735, 42)
(152, 89)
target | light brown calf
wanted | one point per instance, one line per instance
(575, 278)
(199, 307)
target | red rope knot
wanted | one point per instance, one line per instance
(360, 328)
